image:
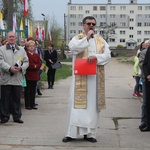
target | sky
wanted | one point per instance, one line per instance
(57, 8)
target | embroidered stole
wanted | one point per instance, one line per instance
(80, 96)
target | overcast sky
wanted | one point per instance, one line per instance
(57, 8)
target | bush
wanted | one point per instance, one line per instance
(120, 46)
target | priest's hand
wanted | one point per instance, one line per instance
(91, 59)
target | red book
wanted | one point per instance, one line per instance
(82, 67)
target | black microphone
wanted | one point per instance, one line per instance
(92, 35)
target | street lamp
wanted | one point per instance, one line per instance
(43, 15)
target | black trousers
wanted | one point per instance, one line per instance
(147, 85)
(10, 102)
(29, 92)
(51, 76)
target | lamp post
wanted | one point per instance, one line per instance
(43, 15)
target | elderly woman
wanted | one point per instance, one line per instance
(32, 75)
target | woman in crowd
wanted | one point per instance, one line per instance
(32, 75)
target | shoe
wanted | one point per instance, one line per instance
(93, 140)
(18, 121)
(4, 121)
(28, 108)
(34, 107)
(139, 95)
(134, 94)
(49, 87)
(147, 128)
(38, 92)
(142, 125)
(35, 104)
(67, 139)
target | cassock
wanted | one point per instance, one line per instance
(85, 121)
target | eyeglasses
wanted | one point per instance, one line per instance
(89, 24)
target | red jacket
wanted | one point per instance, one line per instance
(34, 66)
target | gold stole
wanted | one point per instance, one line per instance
(80, 96)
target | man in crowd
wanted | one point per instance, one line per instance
(13, 63)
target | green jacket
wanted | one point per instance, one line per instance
(136, 66)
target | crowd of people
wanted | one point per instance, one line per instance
(20, 70)
(142, 78)
(21, 67)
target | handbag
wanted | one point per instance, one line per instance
(56, 65)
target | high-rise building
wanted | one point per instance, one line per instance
(120, 24)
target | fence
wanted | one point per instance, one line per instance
(19, 33)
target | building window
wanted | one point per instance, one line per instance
(147, 24)
(139, 7)
(72, 31)
(72, 24)
(130, 36)
(112, 7)
(95, 15)
(87, 11)
(131, 28)
(122, 40)
(147, 32)
(131, 12)
(94, 7)
(72, 16)
(73, 7)
(80, 8)
(101, 32)
(147, 16)
(122, 24)
(102, 16)
(95, 32)
(112, 40)
(102, 24)
(80, 23)
(122, 7)
(112, 16)
(147, 7)
(139, 32)
(80, 31)
(80, 16)
(139, 40)
(122, 16)
(139, 16)
(102, 8)
(139, 24)
(122, 32)
(131, 19)
(112, 32)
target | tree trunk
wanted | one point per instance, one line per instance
(10, 15)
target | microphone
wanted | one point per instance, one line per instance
(92, 35)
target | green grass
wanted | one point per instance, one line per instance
(66, 60)
(61, 73)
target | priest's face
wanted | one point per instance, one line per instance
(89, 25)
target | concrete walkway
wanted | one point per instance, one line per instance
(43, 129)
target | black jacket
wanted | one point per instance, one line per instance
(146, 63)
(53, 56)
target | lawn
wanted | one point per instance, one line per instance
(61, 73)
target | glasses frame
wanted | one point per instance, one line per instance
(90, 23)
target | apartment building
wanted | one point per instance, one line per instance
(120, 24)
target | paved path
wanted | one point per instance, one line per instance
(43, 129)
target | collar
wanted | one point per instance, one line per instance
(8, 47)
